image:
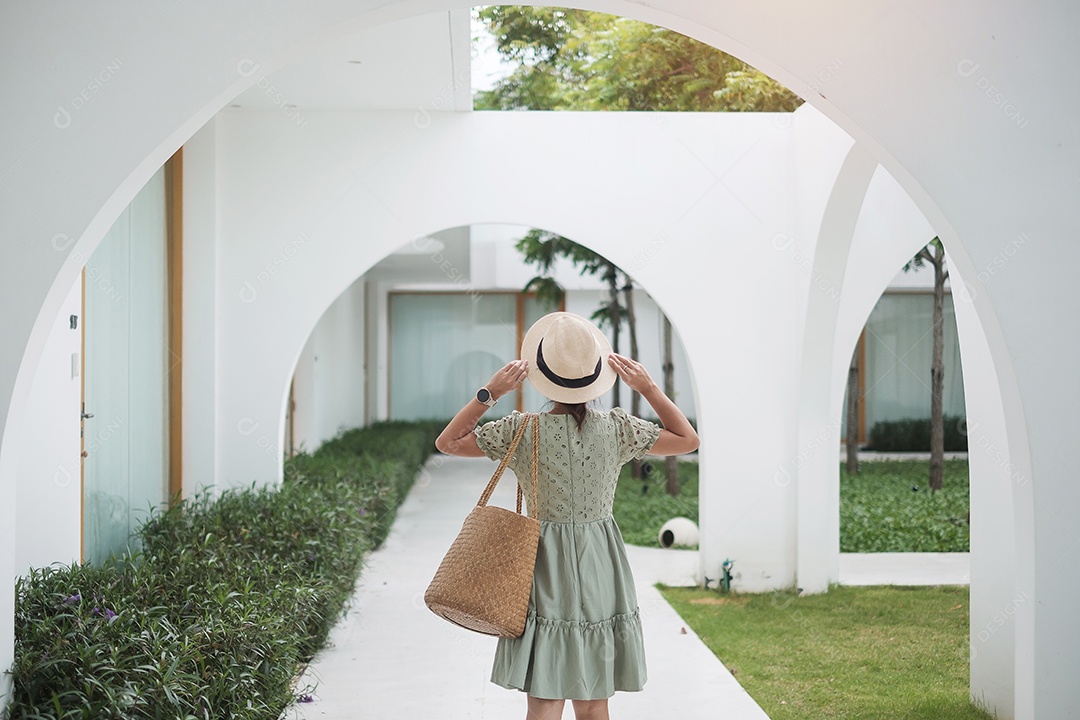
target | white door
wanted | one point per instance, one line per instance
(125, 437)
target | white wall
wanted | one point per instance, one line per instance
(199, 373)
(302, 212)
(305, 420)
(50, 522)
(330, 379)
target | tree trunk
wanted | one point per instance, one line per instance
(611, 275)
(631, 322)
(937, 374)
(853, 414)
(635, 397)
(671, 464)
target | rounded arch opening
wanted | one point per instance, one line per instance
(451, 302)
(478, 266)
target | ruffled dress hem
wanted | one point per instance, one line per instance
(580, 660)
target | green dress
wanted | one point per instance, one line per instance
(582, 638)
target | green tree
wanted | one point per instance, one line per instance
(579, 60)
(852, 409)
(671, 463)
(934, 253)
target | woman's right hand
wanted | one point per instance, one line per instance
(632, 373)
(678, 435)
(508, 378)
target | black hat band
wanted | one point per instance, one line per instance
(571, 383)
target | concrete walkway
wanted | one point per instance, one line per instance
(905, 568)
(390, 657)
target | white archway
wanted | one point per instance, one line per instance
(646, 210)
(883, 78)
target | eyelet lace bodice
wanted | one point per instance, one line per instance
(578, 470)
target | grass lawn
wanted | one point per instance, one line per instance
(879, 510)
(864, 653)
(641, 515)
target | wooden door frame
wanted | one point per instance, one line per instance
(174, 254)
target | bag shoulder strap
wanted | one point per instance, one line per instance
(486, 495)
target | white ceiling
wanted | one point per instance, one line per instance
(422, 62)
(424, 261)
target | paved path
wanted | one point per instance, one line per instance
(390, 657)
(905, 569)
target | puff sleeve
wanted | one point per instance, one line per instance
(634, 436)
(494, 437)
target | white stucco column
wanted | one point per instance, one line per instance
(815, 463)
(994, 596)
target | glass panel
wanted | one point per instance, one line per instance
(126, 467)
(899, 350)
(443, 347)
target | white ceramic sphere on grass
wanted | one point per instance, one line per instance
(679, 531)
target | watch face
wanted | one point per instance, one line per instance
(483, 395)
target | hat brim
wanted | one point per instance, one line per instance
(553, 391)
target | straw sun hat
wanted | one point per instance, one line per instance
(568, 358)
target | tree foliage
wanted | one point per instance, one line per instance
(578, 60)
(542, 249)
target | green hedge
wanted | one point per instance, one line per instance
(913, 435)
(228, 597)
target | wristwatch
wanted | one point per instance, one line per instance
(484, 396)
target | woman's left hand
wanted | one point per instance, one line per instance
(632, 373)
(508, 379)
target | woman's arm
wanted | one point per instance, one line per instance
(457, 437)
(678, 435)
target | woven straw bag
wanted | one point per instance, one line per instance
(483, 583)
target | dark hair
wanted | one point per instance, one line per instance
(577, 411)
(574, 410)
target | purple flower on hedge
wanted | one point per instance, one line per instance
(305, 699)
(109, 615)
(72, 599)
(363, 511)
